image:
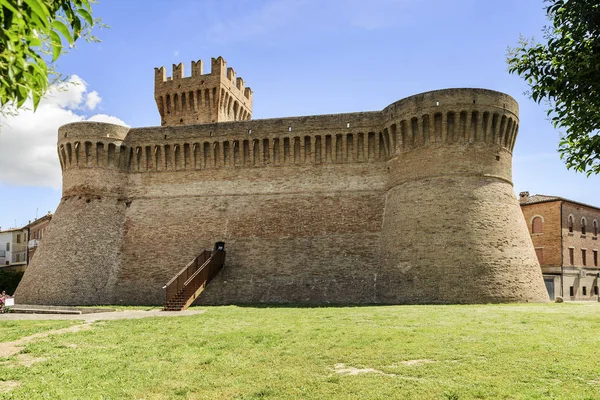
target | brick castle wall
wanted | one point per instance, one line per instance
(411, 204)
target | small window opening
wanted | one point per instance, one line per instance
(497, 158)
(348, 125)
(583, 226)
(289, 128)
(571, 291)
(249, 131)
(584, 257)
(571, 256)
(437, 103)
(584, 290)
(570, 224)
(595, 290)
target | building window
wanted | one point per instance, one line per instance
(7, 246)
(572, 256)
(19, 238)
(595, 258)
(595, 290)
(570, 224)
(540, 255)
(571, 291)
(18, 258)
(583, 225)
(583, 257)
(537, 225)
(595, 228)
(585, 290)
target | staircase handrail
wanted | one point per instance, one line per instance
(214, 259)
(178, 281)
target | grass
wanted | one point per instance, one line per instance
(13, 330)
(474, 352)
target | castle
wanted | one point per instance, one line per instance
(410, 204)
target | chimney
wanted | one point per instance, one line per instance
(523, 197)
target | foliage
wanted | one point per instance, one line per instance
(539, 351)
(33, 34)
(9, 281)
(565, 72)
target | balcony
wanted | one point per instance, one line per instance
(33, 243)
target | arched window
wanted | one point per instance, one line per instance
(570, 223)
(583, 225)
(595, 228)
(537, 225)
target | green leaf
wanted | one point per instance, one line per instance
(62, 28)
(56, 45)
(40, 10)
(86, 16)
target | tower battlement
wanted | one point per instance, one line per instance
(218, 96)
(413, 203)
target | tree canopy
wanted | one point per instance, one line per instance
(564, 72)
(33, 34)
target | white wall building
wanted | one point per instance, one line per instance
(13, 248)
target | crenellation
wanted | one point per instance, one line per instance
(197, 69)
(231, 74)
(178, 72)
(305, 204)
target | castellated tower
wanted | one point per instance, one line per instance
(201, 98)
(411, 204)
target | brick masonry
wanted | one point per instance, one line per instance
(411, 204)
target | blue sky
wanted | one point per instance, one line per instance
(301, 57)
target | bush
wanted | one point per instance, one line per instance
(9, 281)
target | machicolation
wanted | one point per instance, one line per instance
(410, 204)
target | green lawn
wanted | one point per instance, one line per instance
(13, 330)
(467, 352)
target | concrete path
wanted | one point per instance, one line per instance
(99, 316)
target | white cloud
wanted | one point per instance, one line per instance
(92, 100)
(28, 154)
(107, 118)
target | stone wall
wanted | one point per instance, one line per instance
(412, 204)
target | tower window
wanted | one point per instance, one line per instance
(583, 226)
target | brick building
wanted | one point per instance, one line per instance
(36, 230)
(565, 237)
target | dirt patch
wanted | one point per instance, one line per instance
(7, 386)
(410, 363)
(9, 349)
(27, 360)
(343, 369)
